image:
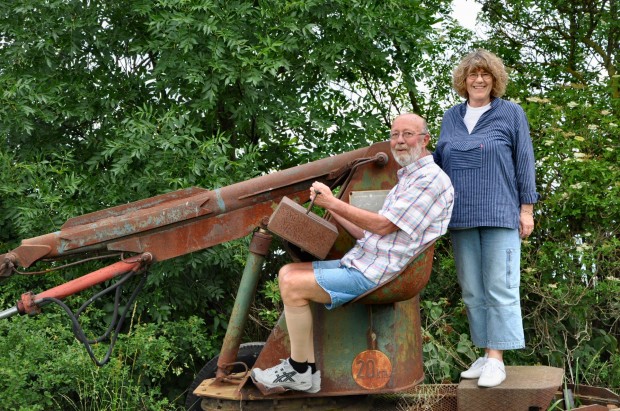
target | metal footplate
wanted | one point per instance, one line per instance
(269, 390)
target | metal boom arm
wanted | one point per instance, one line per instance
(188, 220)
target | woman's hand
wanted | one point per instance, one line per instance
(526, 223)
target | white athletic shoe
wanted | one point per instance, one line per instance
(316, 383)
(283, 376)
(493, 373)
(476, 368)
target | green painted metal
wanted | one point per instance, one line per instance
(340, 335)
(240, 312)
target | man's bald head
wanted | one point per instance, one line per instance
(408, 138)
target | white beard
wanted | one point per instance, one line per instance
(410, 157)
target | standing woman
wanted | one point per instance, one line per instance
(485, 148)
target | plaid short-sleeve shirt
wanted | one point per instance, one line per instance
(420, 205)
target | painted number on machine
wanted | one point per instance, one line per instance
(371, 369)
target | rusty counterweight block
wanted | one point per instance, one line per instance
(305, 229)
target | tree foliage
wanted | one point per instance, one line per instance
(565, 56)
(106, 102)
(560, 40)
(562, 59)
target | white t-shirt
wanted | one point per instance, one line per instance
(472, 115)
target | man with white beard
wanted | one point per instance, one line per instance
(416, 211)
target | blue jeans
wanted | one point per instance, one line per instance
(487, 264)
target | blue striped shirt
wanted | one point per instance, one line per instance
(492, 169)
(420, 206)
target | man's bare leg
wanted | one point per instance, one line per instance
(298, 287)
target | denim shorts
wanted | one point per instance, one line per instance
(342, 283)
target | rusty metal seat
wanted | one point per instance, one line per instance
(406, 284)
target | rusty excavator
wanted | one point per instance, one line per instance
(372, 345)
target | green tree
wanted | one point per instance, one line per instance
(562, 58)
(560, 40)
(107, 102)
(565, 57)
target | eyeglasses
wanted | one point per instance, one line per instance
(474, 76)
(406, 134)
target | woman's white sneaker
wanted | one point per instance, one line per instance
(476, 368)
(493, 373)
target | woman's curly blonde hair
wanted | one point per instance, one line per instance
(485, 60)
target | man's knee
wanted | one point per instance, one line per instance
(285, 269)
(287, 279)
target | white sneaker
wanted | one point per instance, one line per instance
(493, 373)
(316, 383)
(476, 368)
(283, 376)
